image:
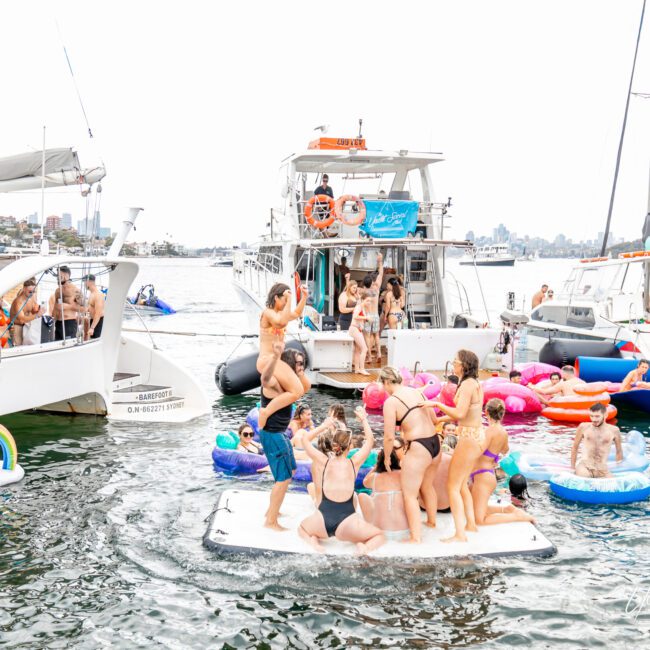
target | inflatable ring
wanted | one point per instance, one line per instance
(592, 388)
(575, 415)
(357, 218)
(326, 222)
(297, 284)
(587, 260)
(579, 401)
(634, 254)
(625, 487)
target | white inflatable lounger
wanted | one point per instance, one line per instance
(235, 526)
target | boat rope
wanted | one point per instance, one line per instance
(216, 509)
(74, 81)
(480, 286)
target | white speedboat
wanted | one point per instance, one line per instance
(379, 211)
(113, 375)
(495, 255)
(601, 300)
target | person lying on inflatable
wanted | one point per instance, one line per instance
(563, 387)
(636, 378)
(598, 437)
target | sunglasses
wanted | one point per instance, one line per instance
(247, 434)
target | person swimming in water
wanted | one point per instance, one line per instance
(336, 475)
(273, 322)
(468, 402)
(420, 462)
(483, 478)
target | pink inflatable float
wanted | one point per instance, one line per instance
(447, 394)
(534, 372)
(431, 383)
(374, 396)
(517, 398)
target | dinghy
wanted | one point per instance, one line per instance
(235, 526)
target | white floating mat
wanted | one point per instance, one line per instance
(236, 525)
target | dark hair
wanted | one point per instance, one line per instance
(29, 283)
(394, 461)
(569, 369)
(338, 413)
(344, 259)
(469, 362)
(289, 357)
(244, 426)
(64, 269)
(643, 361)
(496, 409)
(518, 486)
(90, 277)
(598, 407)
(514, 373)
(326, 177)
(357, 441)
(367, 281)
(397, 292)
(301, 408)
(453, 379)
(545, 285)
(555, 374)
(276, 291)
(341, 441)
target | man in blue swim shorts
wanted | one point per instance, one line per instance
(277, 447)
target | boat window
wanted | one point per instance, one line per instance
(417, 266)
(551, 314)
(578, 316)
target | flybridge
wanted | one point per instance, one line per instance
(338, 143)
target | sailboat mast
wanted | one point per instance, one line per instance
(620, 143)
(43, 189)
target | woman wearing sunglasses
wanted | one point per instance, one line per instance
(246, 442)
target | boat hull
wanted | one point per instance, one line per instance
(488, 262)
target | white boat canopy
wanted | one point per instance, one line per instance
(361, 161)
(24, 171)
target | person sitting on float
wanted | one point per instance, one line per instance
(304, 437)
(483, 478)
(246, 442)
(385, 506)
(515, 376)
(636, 378)
(564, 387)
(273, 322)
(301, 419)
(336, 475)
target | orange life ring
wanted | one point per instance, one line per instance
(573, 415)
(321, 224)
(358, 218)
(594, 259)
(297, 283)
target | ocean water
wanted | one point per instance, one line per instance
(100, 545)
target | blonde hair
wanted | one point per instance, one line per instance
(341, 440)
(348, 289)
(496, 409)
(390, 375)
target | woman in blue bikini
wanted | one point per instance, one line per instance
(336, 473)
(483, 479)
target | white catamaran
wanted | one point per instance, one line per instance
(113, 375)
(385, 205)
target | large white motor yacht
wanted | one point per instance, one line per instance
(601, 300)
(384, 204)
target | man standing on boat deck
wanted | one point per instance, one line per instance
(95, 307)
(598, 437)
(372, 284)
(324, 187)
(67, 306)
(276, 445)
(24, 309)
(538, 298)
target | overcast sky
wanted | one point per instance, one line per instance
(194, 104)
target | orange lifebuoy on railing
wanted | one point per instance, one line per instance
(320, 199)
(357, 218)
(635, 254)
(588, 260)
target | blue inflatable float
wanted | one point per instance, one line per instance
(637, 399)
(626, 487)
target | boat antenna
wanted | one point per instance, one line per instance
(620, 143)
(74, 81)
(360, 125)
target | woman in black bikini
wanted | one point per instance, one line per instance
(336, 474)
(421, 461)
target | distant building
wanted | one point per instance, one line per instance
(66, 220)
(8, 222)
(470, 236)
(53, 222)
(104, 232)
(33, 219)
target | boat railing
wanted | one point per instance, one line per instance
(458, 292)
(255, 275)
